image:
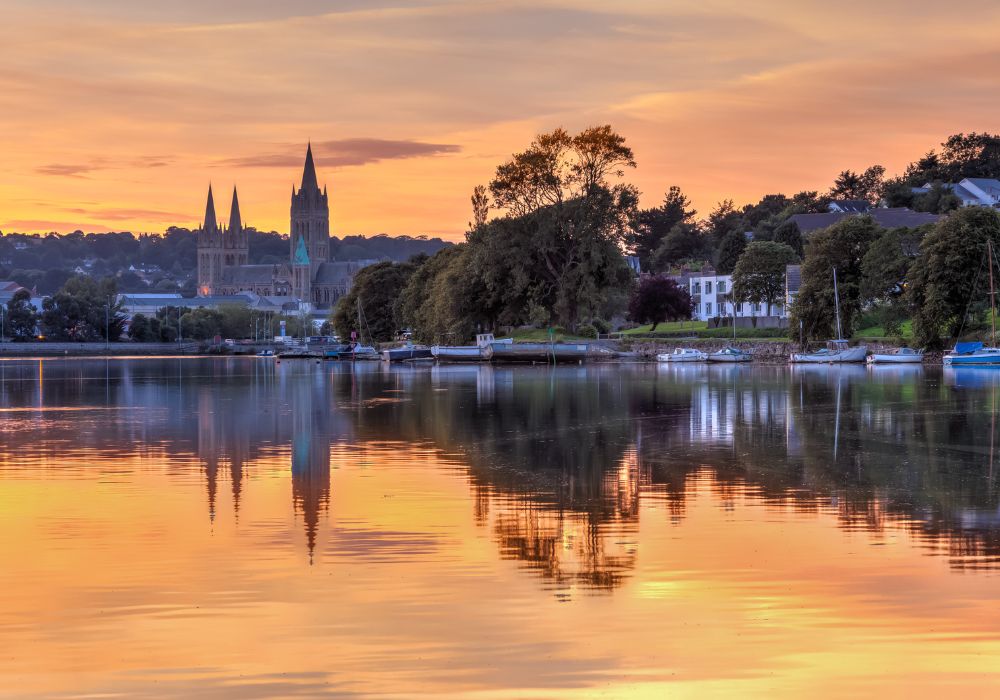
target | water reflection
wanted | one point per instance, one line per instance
(559, 460)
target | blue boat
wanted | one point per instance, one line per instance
(972, 355)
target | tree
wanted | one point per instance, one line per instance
(84, 309)
(759, 276)
(652, 226)
(684, 242)
(443, 301)
(480, 206)
(140, 329)
(724, 221)
(22, 320)
(948, 283)
(841, 246)
(377, 289)
(658, 299)
(867, 185)
(789, 234)
(567, 212)
(730, 250)
(939, 200)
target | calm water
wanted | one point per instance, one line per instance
(233, 528)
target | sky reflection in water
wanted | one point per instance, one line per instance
(234, 528)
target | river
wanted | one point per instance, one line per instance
(240, 528)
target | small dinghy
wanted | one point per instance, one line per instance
(682, 355)
(730, 354)
(902, 356)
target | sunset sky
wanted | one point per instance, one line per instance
(116, 114)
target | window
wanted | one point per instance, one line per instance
(708, 308)
(708, 287)
(721, 287)
(696, 287)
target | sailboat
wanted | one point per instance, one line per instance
(975, 353)
(731, 353)
(837, 350)
(358, 351)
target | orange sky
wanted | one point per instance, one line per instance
(116, 115)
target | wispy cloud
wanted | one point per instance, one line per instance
(100, 163)
(345, 152)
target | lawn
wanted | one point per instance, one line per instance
(879, 332)
(668, 327)
(540, 335)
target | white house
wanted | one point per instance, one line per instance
(973, 191)
(710, 296)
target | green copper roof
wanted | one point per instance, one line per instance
(301, 255)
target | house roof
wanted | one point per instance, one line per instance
(250, 274)
(887, 218)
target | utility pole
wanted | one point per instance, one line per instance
(107, 324)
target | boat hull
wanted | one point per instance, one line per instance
(729, 358)
(402, 354)
(891, 359)
(979, 359)
(681, 357)
(855, 354)
(536, 352)
(457, 353)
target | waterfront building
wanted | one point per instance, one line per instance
(309, 276)
(711, 296)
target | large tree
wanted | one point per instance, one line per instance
(653, 226)
(684, 242)
(730, 250)
(84, 309)
(759, 277)
(948, 284)
(867, 185)
(841, 247)
(657, 299)
(22, 319)
(567, 213)
(376, 290)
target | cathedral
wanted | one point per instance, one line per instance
(309, 275)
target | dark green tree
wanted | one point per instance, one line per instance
(684, 242)
(841, 246)
(948, 283)
(140, 330)
(84, 309)
(652, 226)
(22, 320)
(789, 234)
(377, 289)
(759, 276)
(730, 250)
(867, 185)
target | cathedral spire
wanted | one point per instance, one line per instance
(210, 224)
(309, 182)
(235, 223)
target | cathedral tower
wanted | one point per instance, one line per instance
(210, 250)
(235, 242)
(310, 221)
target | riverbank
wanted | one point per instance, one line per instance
(99, 349)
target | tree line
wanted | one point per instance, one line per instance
(546, 241)
(165, 262)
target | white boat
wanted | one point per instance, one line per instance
(467, 353)
(902, 356)
(360, 352)
(835, 351)
(730, 354)
(682, 355)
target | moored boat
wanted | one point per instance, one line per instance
(407, 352)
(836, 351)
(536, 352)
(730, 354)
(972, 355)
(467, 353)
(901, 356)
(682, 355)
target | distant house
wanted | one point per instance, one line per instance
(895, 217)
(973, 191)
(848, 206)
(710, 296)
(150, 304)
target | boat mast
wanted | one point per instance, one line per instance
(836, 304)
(993, 307)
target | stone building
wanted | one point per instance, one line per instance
(308, 276)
